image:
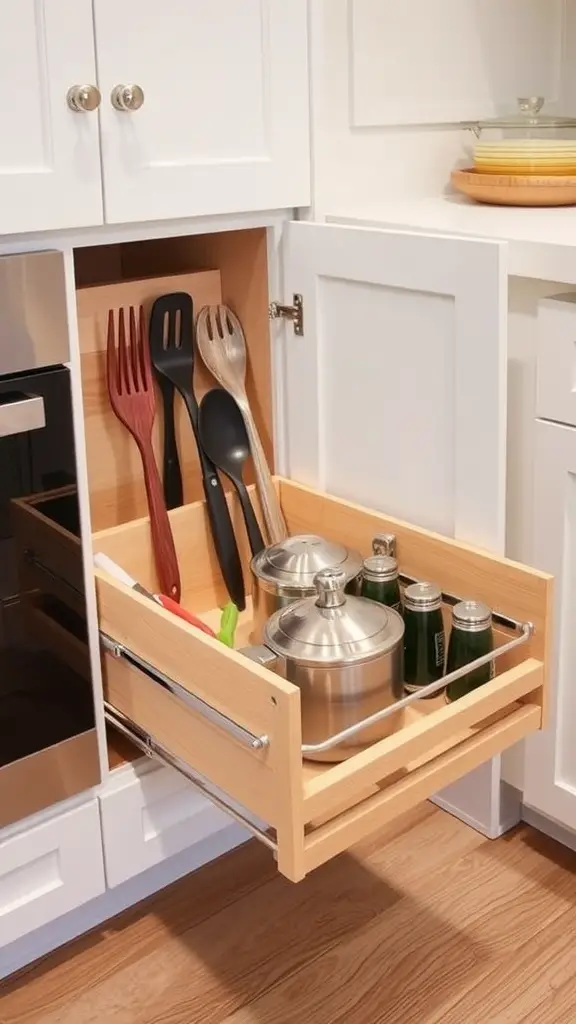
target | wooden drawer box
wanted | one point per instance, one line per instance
(47, 536)
(308, 812)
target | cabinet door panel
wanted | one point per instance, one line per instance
(396, 395)
(48, 870)
(550, 780)
(49, 157)
(224, 123)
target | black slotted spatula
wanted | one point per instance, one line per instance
(171, 473)
(172, 321)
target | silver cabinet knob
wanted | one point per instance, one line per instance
(127, 97)
(83, 98)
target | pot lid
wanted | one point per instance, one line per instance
(296, 560)
(528, 116)
(333, 627)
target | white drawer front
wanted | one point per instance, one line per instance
(49, 870)
(150, 816)
(556, 360)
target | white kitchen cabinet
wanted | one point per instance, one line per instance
(550, 770)
(48, 870)
(149, 814)
(393, 86)
(225, 119)
(396, 395)
(49, 154)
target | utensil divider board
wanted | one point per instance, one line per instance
(316, 810)
(226, 267)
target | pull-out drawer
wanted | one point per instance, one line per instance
(235, 727)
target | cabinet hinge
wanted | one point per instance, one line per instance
(295, 313)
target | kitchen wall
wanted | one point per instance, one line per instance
(381, 121)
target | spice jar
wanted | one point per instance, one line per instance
(424, 638)
(380, 581)
(471, 638)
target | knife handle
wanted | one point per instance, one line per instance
(224, 539)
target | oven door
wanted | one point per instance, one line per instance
(48, 744)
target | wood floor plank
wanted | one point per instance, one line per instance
(427, 923)
(412, 963)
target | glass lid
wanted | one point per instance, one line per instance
(527, 116)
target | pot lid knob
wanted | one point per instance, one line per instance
(330, 584)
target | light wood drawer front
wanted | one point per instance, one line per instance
(313, 811)
(150, 814)
(556, 360)
(49, 870)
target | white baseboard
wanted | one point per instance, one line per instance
(561, 833)
(43, 941)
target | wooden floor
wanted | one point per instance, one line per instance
(428, 924)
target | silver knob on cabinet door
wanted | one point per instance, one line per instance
(127, 97)
(83, 98)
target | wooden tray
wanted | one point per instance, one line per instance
(516, 189)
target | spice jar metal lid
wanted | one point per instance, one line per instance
(471, 616)
(380, 567)
(334, 627)
(294, 562)
(423, 597)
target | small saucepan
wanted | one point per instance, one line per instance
(285, 573)
(346, 655)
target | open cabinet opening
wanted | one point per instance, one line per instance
(229, 267)
(220, 718)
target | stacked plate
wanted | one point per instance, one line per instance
(527, 159)
(526, 156)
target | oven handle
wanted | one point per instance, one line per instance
(20, 413)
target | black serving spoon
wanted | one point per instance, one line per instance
(224, 439)
(172, 320)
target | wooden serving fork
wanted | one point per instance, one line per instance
(132, 398)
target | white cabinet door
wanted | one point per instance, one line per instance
(48, 870)
(395, 397)
(550, 777)
(151, 814)
(49, 155)
(224, 122)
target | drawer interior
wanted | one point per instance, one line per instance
(311, 812)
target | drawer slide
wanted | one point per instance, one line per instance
(152, 748)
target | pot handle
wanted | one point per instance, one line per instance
(262, 655)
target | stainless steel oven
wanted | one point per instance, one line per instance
(48, 743)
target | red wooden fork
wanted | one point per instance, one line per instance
(132, 398)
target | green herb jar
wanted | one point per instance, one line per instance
(380, 581)
(471, 638)
(424, 637)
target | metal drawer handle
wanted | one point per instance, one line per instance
(249, 739)
(20, 413)
(155, 750)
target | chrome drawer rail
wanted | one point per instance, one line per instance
(158, 752)
(249, 739)
(524, 631)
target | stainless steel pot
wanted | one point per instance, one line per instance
(346, 656)
(285, 573)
